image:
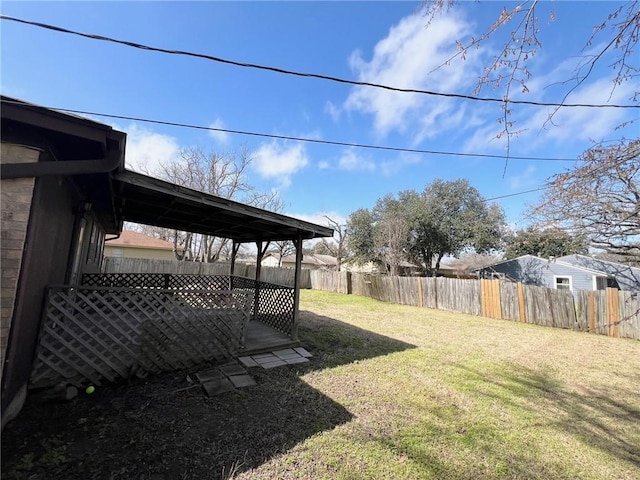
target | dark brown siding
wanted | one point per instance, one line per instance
(47, 249)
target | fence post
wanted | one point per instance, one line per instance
(521, 307)
(420, 303)
(613, 312)
(591, 312)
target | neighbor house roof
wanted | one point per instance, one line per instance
(313, 259)
(546, 260)
(130, 238)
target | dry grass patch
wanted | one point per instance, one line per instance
(443, 395)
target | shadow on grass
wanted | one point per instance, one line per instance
(147, 429)
(597, 417)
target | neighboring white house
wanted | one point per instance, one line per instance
(623, 277)
(309, 261)
(138, 245)
(550, 273)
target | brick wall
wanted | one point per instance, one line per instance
(15, 202)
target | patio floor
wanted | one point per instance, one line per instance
(263, 338)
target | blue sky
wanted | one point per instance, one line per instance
(379, 42)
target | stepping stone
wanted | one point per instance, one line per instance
(248, 362)
(257, 358)
(283, 352)
(303, 352)
(292, 361)
(276, 363)
(233, 370)
(217, 386)
(208, 375)
(262, 361)
(240, 381)
(285, 356)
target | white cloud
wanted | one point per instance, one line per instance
(525, 179)
(579, 123)
(409, 57)
(332, 110)
(147, 151)
(391, 167)
(351, 161)
(280, 161)
(222, 138)
(320, 218)
(323, 165)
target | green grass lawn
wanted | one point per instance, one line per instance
(442, 395)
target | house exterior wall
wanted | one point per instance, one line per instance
(270, 261)
(16, 198)
(50, 242)
(627, 278)
(125, 251)
(540, 272)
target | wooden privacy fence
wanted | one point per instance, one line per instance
(92, 334)
(609, 312)
(282, 276)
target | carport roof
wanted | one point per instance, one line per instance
(152, 201)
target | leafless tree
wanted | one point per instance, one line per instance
(283, 248)
(391, 237)
(618, 33)
(220, 174)
(337, 247)
(599, 198)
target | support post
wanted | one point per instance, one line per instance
(235, 247)
(260, 255)
(296, 287)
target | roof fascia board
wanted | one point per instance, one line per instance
(237, 208)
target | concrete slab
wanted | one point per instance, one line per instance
(303, 352)
(233, 370)
(277, 363)
(257, 358)
(217, 386)
(248, 362)
(240, 381)
(283, 356)
(284, 351)
(292, 361)
(208, 375)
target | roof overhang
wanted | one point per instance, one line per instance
(77, 148)
(152, 201)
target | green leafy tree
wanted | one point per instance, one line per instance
(551, 242)
(450, 217)
(360, 236)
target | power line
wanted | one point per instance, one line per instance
(516, 194)
(305, 74)
(548, 186)
(300, 139)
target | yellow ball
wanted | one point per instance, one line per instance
(90, 389)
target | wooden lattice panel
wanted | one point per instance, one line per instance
(91, 335)
(273, 305)
(126, 280)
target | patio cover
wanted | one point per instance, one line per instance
(151, 201)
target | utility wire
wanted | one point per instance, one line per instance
(308, 75)
(603, 167)
(297, 139)
(539, 189)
